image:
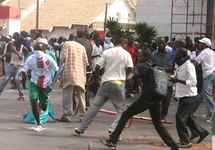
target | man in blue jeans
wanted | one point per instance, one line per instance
(206, 60)
(116, 60)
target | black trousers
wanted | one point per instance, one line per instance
(143, 103)
(184, 120)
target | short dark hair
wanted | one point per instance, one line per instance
(183, 51)
(146, 53)
(118, 40)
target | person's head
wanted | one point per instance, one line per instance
(72, 37)
(98, 41)
(60, 40)
(181, 52)
(144, 55)
(180, 43)
(15, 35)
(204, 43)
(18, 41)
(39, 50)
(44, 41)
(145, 45)
(190, 46)
(52, 41)
(108, 34)
(130, 40)
(80, 33)
(161, 43)
(38, 34)
(7, 39)
(123, 35)
(23, 33)
(87, 35)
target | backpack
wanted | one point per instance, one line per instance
(158, 80)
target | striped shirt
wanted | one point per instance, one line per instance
(74, 57)
(41, 70)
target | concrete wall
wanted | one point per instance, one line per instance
(158, 13)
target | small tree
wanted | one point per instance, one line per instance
(114, 27)
(144, 32)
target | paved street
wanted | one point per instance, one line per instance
(15, 134)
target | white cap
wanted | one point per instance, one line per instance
(44, 41)
(206, 41)
(8, 37)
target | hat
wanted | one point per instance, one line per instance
(206, 41)
(8, 37)
(44, 41)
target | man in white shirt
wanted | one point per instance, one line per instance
(205, 59)
(186, 91)
(41, 65)
(116, 60)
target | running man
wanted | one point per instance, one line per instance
(41, 65)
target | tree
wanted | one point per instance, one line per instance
(116, 29)
(144, 32)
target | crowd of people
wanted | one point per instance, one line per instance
(113, 68)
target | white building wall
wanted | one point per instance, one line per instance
(119, 7)
(158, 14)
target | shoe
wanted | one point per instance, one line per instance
(175, 149)
(77, 132)
(186, 145)
(207, 116)
(204, 135)
(62, 120)
(193, 116)
(21, 98)
(193, 136)
(108, 144)
(209, 121)
(38, 129)
(129, 97)
(178, 141)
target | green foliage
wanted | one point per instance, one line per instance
(115, 28)
(144, 32)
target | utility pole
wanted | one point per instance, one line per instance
(105, 18)
(37, 16)
(213, 29)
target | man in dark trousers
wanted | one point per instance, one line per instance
(81, 38)
(146, 101)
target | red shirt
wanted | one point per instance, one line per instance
(132, 50)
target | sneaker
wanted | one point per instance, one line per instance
(209, 121)
(207, 116)
(77, 132)
(38, 128)
(108, 144)
(21, 98)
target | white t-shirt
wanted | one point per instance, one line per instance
(115, 60)
(41, 70)
(96, 51)
(207, 59)
(186, 72)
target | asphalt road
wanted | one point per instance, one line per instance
(15, 134)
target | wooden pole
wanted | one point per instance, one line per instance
(105, 18)
(213, 29)
(37, 16)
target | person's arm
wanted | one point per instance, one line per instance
(50, 87)
(175, 80)
(197, 64)
(96, 56)
(169, 70)
(25, 50)
(128, 81)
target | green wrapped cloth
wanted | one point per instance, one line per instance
(29, 117)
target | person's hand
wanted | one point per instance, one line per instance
(173, 79)
(20, 57)
(49, 88)
(20, 76)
